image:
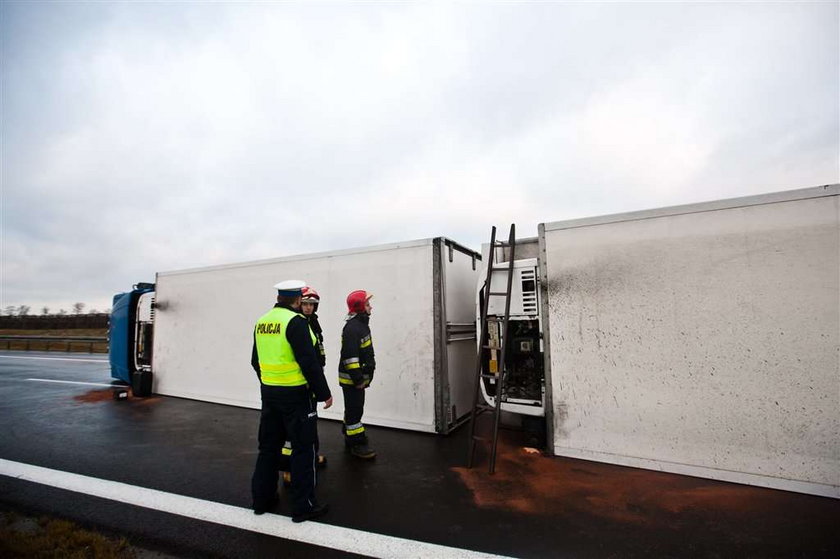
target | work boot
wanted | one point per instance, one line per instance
(262, 508)
(362, 451)
(315, 512)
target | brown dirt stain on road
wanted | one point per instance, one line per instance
(107, 395)
(531, 483)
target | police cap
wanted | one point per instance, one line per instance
(290, 288)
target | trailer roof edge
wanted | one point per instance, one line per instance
(325, 254)
(729, 203)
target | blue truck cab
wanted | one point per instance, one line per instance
(130, 335)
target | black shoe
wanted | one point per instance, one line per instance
(316, 512)
(264, 508)
(362, 451)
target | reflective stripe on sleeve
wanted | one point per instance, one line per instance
(351, 363)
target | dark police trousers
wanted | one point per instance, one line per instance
(296, 420)
(283, 464)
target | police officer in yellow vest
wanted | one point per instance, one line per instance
(287, 364)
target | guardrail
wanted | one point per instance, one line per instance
(48, 343)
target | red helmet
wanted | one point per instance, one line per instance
(309, 295)
(357, 299)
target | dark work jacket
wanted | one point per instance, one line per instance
(355, 334)
(297, 334)
(319, 333)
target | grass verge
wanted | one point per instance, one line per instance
(22, 536)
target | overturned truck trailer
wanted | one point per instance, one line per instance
(422, 328)
(700, 339)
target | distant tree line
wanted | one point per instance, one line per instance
(20, 318)
(24, 310)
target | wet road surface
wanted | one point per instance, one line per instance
(416, 489)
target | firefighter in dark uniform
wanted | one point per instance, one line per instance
(286, 361)
(309, 308)
(355, 372)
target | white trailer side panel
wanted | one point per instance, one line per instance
(702, 340)
(203, 335)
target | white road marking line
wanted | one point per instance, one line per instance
(54, 358)
(314, 533)
(77, 382)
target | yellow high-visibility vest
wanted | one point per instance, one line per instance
(277, 360)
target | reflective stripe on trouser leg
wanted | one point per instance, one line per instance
(354, 429)
(284, 463)
(354, 407)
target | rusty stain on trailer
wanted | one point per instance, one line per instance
(672, 340)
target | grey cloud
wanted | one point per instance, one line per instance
(149, 137)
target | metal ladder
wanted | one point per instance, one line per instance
(484, 343)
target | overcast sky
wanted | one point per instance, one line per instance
(145, 137)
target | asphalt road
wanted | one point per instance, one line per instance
(416, 492)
